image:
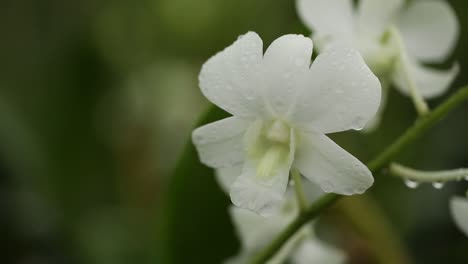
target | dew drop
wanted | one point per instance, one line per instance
(327, 186)
(411, 184)
(249, 94)
(438, 185)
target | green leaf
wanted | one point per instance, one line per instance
(197, 225)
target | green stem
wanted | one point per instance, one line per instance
(411, 134)
(416, 96)
(300, 196)
(428, 176)
(292, 228)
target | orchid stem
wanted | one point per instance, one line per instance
(418, 100)
(428, 176)
(377, 164)
(300, 196)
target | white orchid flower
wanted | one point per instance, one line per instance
(459, 208)
(394, 38)
(255, 232)
(282, 108)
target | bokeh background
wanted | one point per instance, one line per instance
(97, 101)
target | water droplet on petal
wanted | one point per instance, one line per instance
(327, 186)
(249, 94)
(411, 184)
(438, 185)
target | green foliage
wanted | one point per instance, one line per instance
(198, 228)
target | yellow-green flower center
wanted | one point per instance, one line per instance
(270, 147)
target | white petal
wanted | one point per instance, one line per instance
(286, 59)
(226, 176)
(430, 30)
(325, 163)
(375, 122)
(253, 230)
(251, 193)
(220, 144)
(249, 227)
(339, 93)
(264, 196)
(312, 191)
(431, 82)
(315, 251)
(228, 79)
(375, 16)
(459, 207)
(332, 18)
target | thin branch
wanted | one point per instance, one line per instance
(300, 196)
(428, 176)
(420, 126)
(416, 96)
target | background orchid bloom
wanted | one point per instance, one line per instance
(395, 39)
(459, 208)
(255, 232)
(282, 108)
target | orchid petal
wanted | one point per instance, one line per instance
(328, 18)
(339, 93)
(325, 163)
(220, 144)
(374, 16)
(226, 176)
(229, 78)
(430, 82)
(315, 251)
(430, 30)
(459, 207)
(285, 60)
(264, 196)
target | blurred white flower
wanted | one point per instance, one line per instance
(459, 208)
(282, 108)
(395, 39)
(255, 232)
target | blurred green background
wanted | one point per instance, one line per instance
(97, 100)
